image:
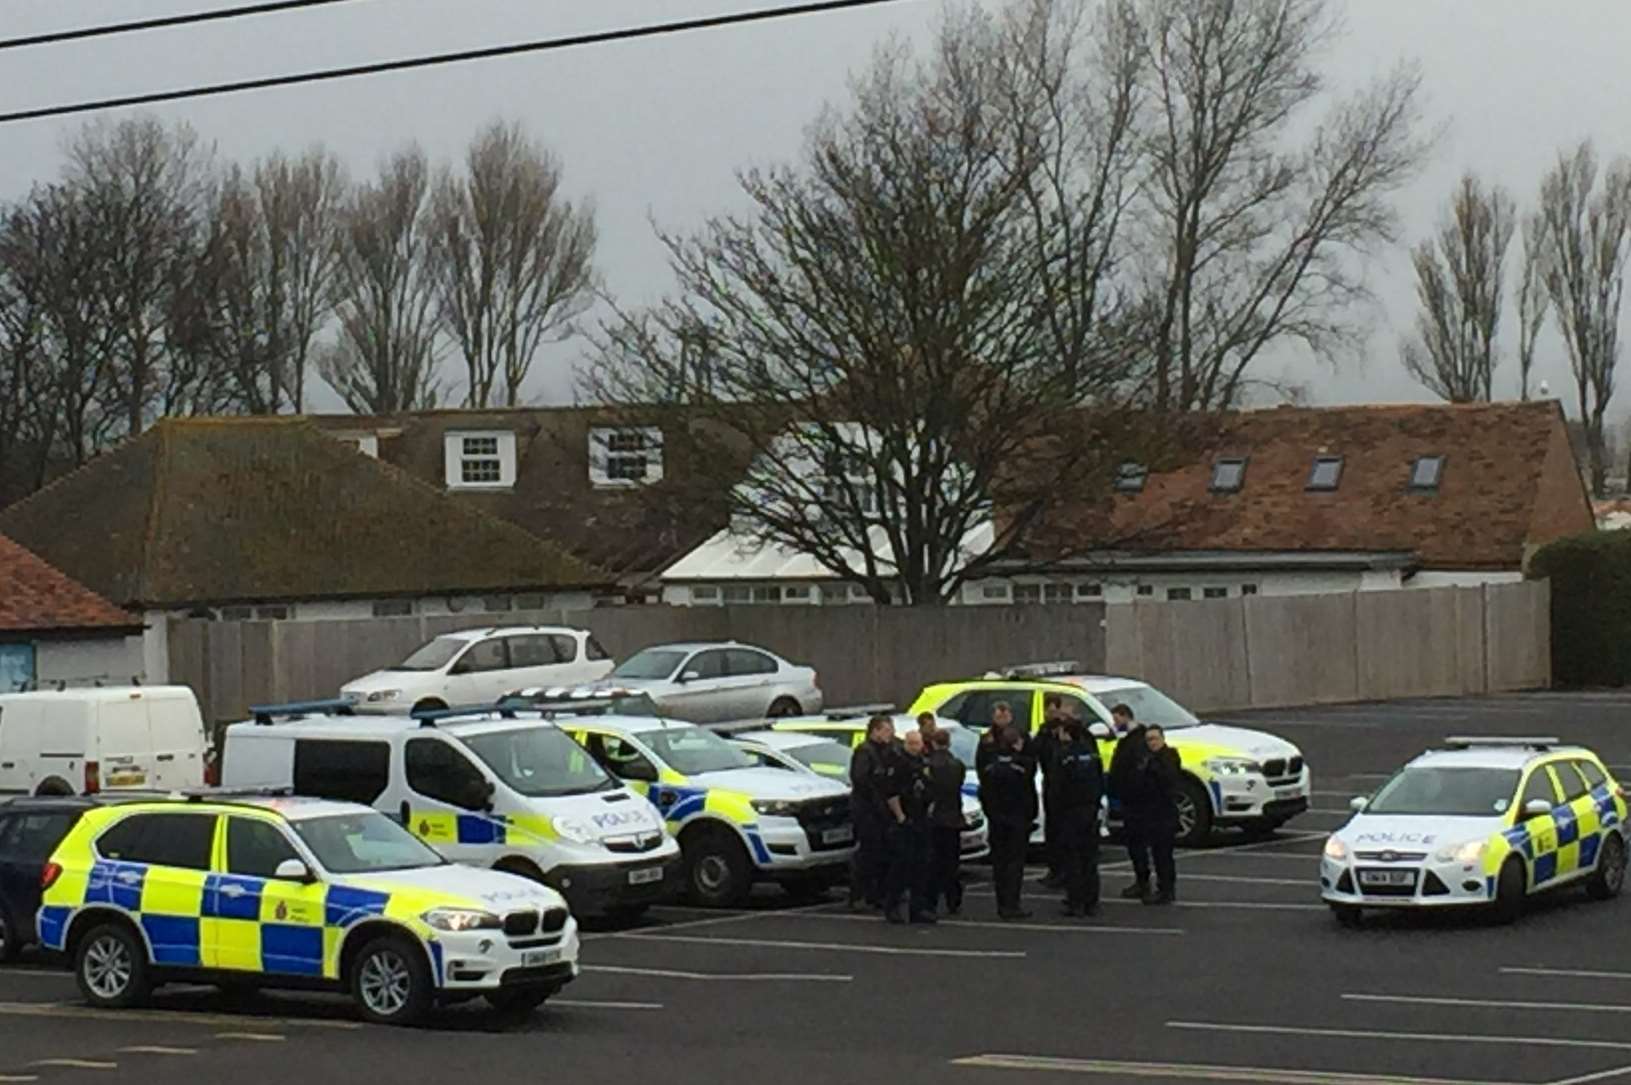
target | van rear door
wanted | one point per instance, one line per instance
(179, 742)
(124, 744)
(13, 769)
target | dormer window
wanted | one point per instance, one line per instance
(625, 456)
(1130, 477)
(1426, 473)
(1228, 474)
(480, 460)
(1326, 473)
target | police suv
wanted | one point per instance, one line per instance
(1485, 821)
(493, 786)
(254, 890)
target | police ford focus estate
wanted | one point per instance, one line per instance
(1486, 821)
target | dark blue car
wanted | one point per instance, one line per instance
(30, 830)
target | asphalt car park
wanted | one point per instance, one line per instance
(1247, 978)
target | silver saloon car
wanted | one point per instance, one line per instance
(717, 682)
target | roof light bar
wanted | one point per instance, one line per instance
(851, 712)
(1524, 742)
(1039, 670)
(265, 714)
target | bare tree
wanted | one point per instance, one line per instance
(1460, 282)
(1533, 300)
(385, 358)
(275, 230)
(1587, 241)
(872, 358)
(514, 260)
(147, 188)
(1252, 230)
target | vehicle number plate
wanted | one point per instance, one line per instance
(841, 835)
(126, 779)
(646, 876)
(1387, 877)
(537, 958)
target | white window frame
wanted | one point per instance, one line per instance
(609, 465)
(457, 454)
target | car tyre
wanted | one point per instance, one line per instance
(9, 945)
(717, 871)
(110, 966)
(1510, 887)
(1194, 813)
(783, 708)
(517, 1002)
(1609, 877)
(1351, 916)
(391, 983)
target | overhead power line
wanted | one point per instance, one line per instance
(603, 37)
(57, 37)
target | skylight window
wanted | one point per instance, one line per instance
(1130, 477)
(1327, 472)
(1228, 474)
(1426, 473)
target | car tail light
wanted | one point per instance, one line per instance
(49, 876)
(93, 777)
(212, 771)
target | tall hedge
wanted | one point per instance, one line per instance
(1591, 607)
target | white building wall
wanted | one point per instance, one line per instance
(1471, 578)
(113, 660)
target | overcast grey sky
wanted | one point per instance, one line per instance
(655, 128)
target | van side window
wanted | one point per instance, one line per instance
(535, 650)
(437, 771)
(344, 771)
(255, 848)
(566, 648)
(596, 651)
(484, 655)
(173, 840)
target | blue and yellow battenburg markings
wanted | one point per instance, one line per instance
(678, 803)
(1578, 840)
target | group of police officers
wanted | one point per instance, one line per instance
(908, 809)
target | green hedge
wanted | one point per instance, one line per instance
(1591, 607)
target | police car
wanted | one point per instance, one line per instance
(489, 785)
(736, 821)
(1232, 776)
(289, 892)
(1485, 821)
(824, 755)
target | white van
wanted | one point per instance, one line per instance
(496, 788)
(82, 741)
(478, 666)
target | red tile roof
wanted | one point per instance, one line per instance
(1509, 483)
(36, 598)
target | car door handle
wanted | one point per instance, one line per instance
(8, 764)
(167, 757)
(232, 889)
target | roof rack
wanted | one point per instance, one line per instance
(226, 794)
(537, 695)
(430, 717)
(1521, 742)
(1038, 670)
(266, 714)
(851, 712)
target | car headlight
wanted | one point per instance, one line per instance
(1335, 849)
(462, 919)
(776, 808)
(1233, 766)
(1470, 852)
(384, 695)
(572, 831)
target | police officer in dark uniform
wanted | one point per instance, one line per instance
(908, 876)
(1126, 785)
(1163, 777)
(946, 775)
(1076, 788)
(1046, 748)
(1008, 795)
(875, 807)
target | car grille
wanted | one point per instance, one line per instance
(554, 920)
(1391, 856)
(1281, 772)
(820, 815)
(631, 845)
(520, 924)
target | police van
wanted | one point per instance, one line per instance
(490, 786)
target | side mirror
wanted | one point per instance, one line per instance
(637, 770)
(292, 870)
(1536, 808)
(1358, 803)
(689, 676)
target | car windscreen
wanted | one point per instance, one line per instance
(827, 758)
(539, 761)
(1447, 792)
(650, 665)
(363, 843)
(965, 745)
(691, 751)
(1149, 705)
(432, 656)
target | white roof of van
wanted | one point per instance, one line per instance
(385, 726)
(106, 693)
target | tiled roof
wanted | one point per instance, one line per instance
(257, 509)
(36, 598)
(1509, 483)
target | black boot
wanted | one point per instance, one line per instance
(1136, 891)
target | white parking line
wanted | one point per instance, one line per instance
(168, 1017)
(739, 915)
(1488, 1004)
(1577, 973)
(1422, 1037)
(591, 1004)
(832, 947)
(1601, 1075)
(77, 1064)
(1068, 928)
(1200, 1072)
(156, 1049)
(672, 974)
(1301, 883)
(1309, 858)
(1249, 905)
